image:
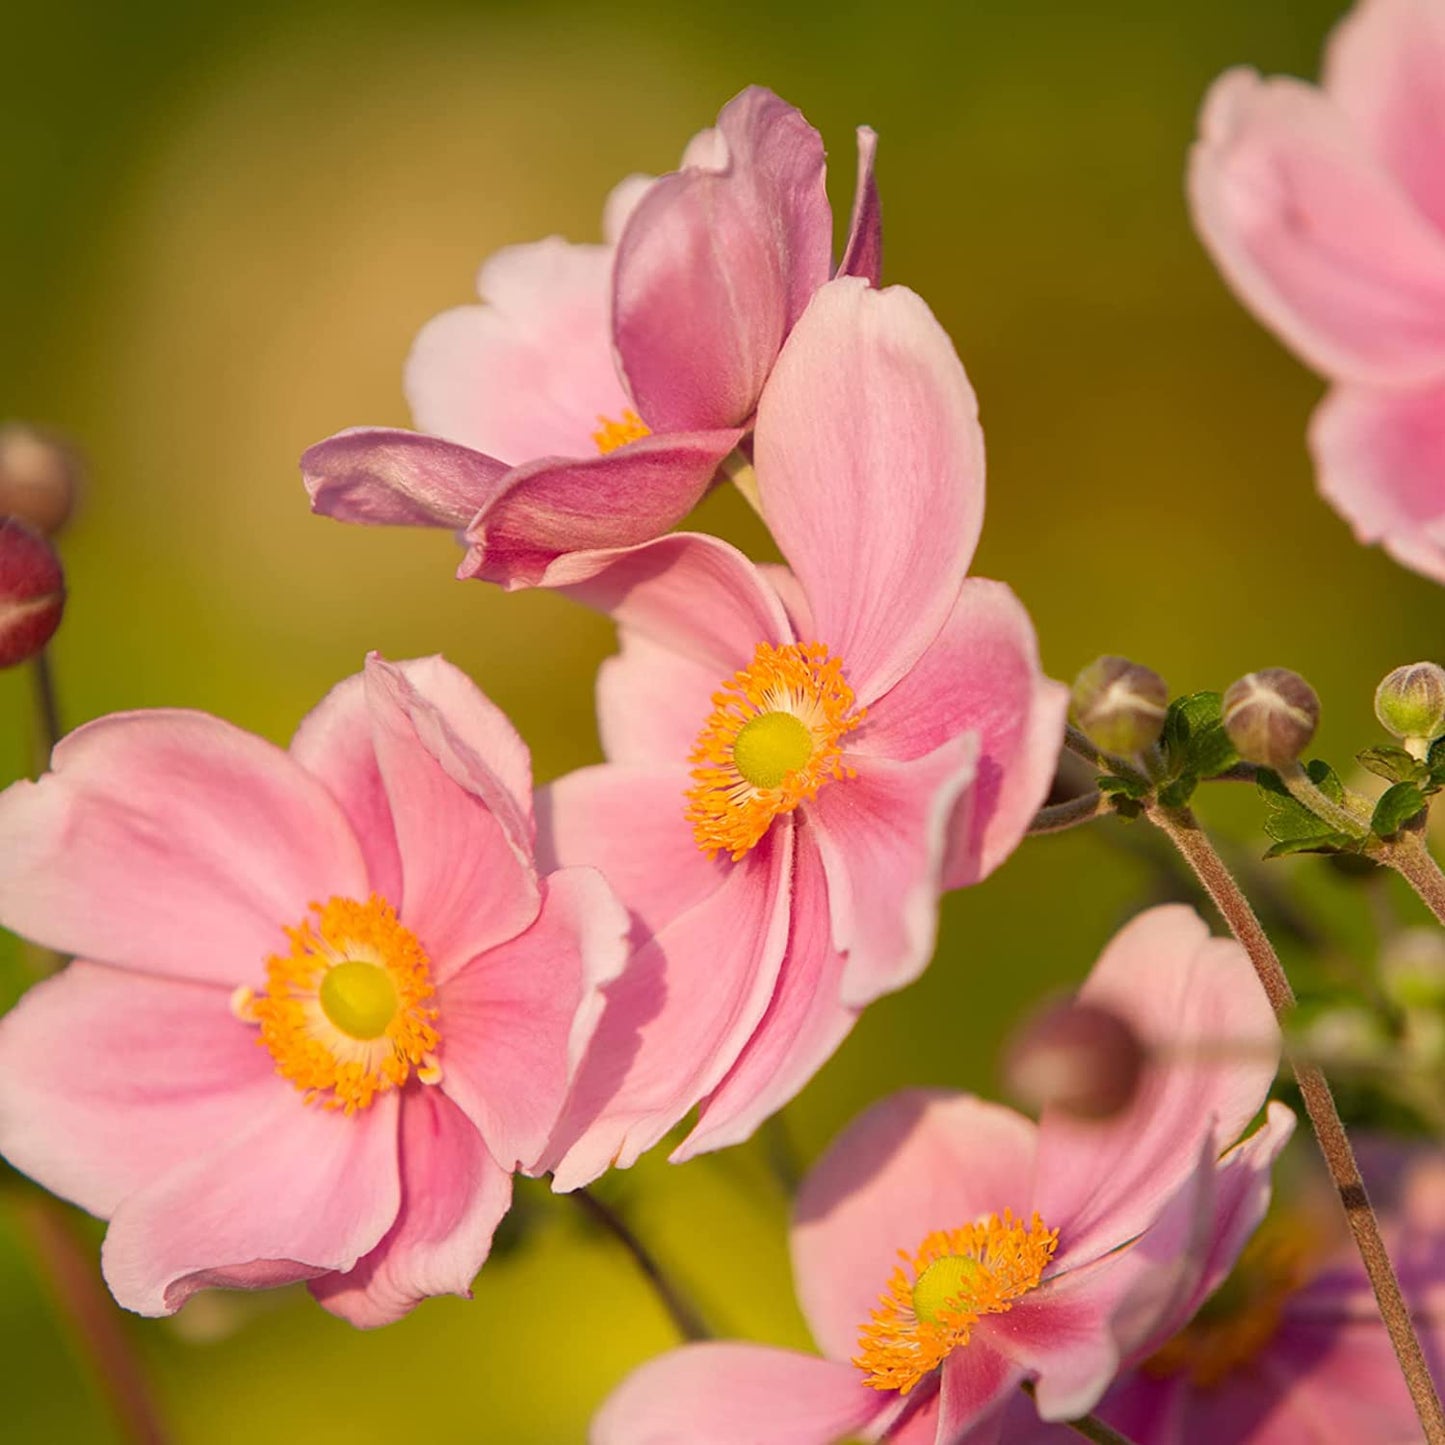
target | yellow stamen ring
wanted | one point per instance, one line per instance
(613, 434)
(941, 1291)
(770, 743)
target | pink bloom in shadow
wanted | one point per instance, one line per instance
(1325, 210)
(800, 761)
(1094, 1232)
(589, 401)
(323, 1004)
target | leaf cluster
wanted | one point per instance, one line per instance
(1195, 746)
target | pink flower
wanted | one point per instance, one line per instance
(346, 1107)
(1325, 209)
(1028, 1252)
(800, 760)
(589, 402)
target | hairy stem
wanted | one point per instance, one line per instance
(1059, 817)
(1089, 1426)
(1409, 857)
(1307, 793)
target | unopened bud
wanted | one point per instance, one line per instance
(1410, 704)
(1271, 716)
(1119, 705)
(39, 477)
(32, 592)
(1078, 1058)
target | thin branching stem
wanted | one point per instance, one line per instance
(1059, 817)
(1089, 1426)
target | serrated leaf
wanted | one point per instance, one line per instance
(1327, 843)
(1130, 787)
(1394, 764)
(1396, 807)
(1194, 737)
(1289, 822)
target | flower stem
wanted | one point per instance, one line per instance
(686, 1319)
(47, 708)
(1307, 793)
(1409, 857)
(1089, 1426)
(1059, 817)
(1183, 830)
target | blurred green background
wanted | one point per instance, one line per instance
(226, 223)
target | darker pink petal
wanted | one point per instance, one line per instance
(863, 251)
(976, 1381)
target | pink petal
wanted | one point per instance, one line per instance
(529, 374)
(977, 1380)
(1314, 235)
(804, 1024)
(716, 264)
(299, 1191)
(980, 674)
(653, 701)
(725, 1393)
(110, 1078)
(1380, 456)
(453, 1196)
(517, 1020)
(621, 203)
(863, 251)
(1192, 999)
(385, 477)
(173, 843)
(882, 835)
(1385, 69)
(870, 471)
(915, 1162)
(468, 880)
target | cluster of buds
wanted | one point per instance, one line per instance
(38, 483)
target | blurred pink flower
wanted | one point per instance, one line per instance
(1325, 209)
(1029, 1252)
(347, 1110)
(589, 402)
(800, 761)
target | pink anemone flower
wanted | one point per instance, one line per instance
(1325, 210)
(800, 760)
(323, 1003)
(946, 1250)
(590, 401)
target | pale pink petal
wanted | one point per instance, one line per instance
(724, 1394)
(299, 1191)
(976, 1383)
(980, 674)
(516, 1021)
(1314, 235)
(174, 843)
(870, 472)
(805, 1021)
(918, 1425)
(917, 1161)
(652, 701)
(863, 251)
(110, 1078)
(468, 880)
(882, 835)
(1380, 457)
(716, 265)
(453, 1196)
(1196, 1003)
(529, 374)
(386, 477)
(1385, 69)
(621, 202)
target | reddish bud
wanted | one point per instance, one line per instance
(39, 477)
(32, 592)
(1076, 1057)
(1271, 716)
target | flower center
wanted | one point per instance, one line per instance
(769, 744)
(933, 1301)
(345, 1013)
(613, 434)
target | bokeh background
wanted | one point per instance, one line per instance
(225, 223)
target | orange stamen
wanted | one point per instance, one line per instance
(614, 434)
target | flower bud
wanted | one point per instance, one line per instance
(39, 477)
(32, 592)
(1078, 1058)
(1410, 704)
(1271, 716)
(1119, 705)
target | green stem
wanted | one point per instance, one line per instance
(1307, 794)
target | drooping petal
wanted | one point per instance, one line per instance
(453, 1196)
(917, 1161)
(173, 843)
(108, 1079)
(870, 472)
(516, 1021)
(1314, 235)
(386, 477)
(980, 674)
(723, 1393)
(1380, 457)
(716, 264)
(863, 251)
(300, 1191)
(882, 835)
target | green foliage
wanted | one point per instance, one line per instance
(1395, 765)
(1396, 807)
(1124, 787)
(1195, 743)
(1292, 826)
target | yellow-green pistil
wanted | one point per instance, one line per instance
(359, 998)
(770, 746)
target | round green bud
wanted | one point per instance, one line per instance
(1271, 716)
(1410, 704)
(1119, 705)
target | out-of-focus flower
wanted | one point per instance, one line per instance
(1119, 705)
(1078, 1057)
(1029, 1252)
(590, 401)
(1325, 209)
(323, 1004)
(801, 760)
(32, 592)
(40, 475)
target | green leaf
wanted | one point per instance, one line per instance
(1130, 787)
(1292, 826)
(1328, 843)
(1394, 764)
(1178, 793)
(1396, 807)
(1194, 737)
